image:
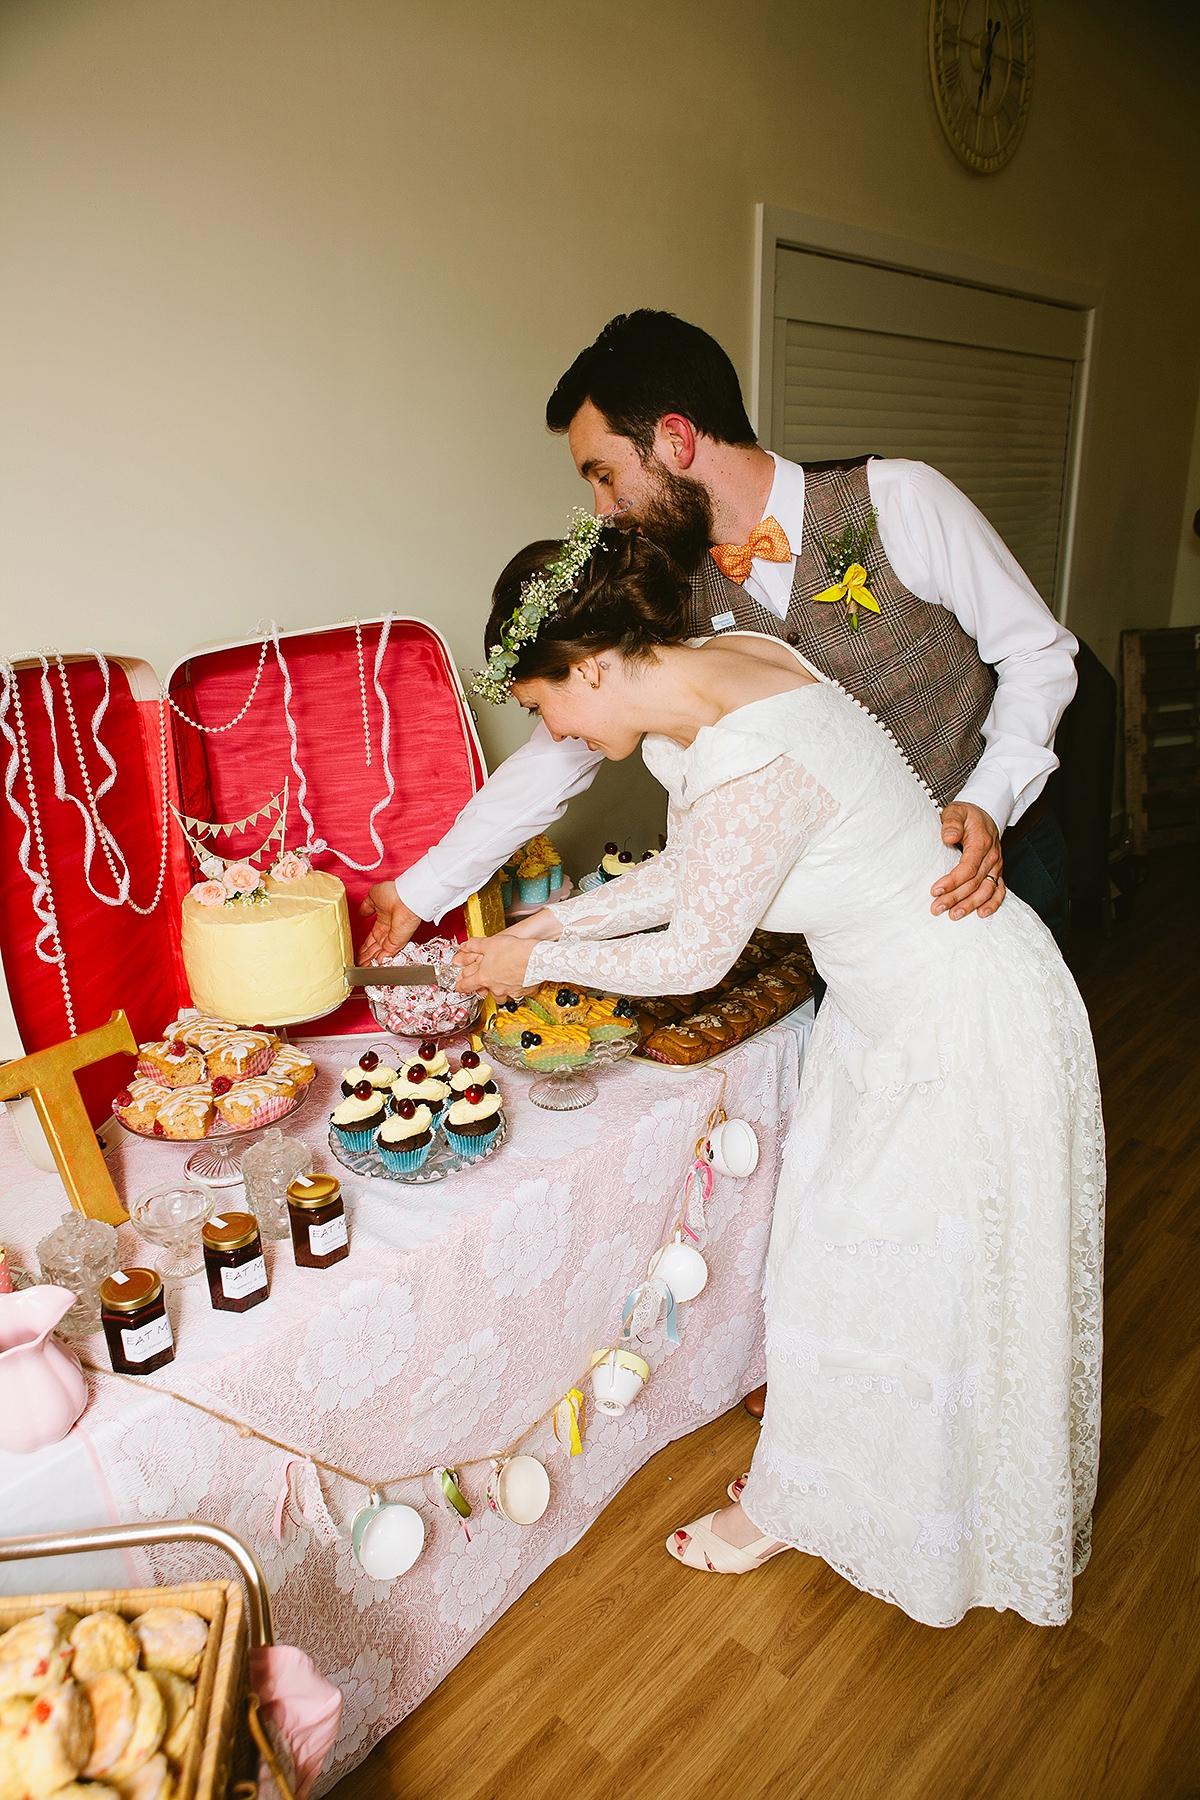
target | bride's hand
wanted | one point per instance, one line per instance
(496, 965)
(544, 926)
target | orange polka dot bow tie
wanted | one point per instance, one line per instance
(768, 541)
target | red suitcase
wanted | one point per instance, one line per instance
(387, 685)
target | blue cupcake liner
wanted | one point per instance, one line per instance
(356, 1140)
(531, 891)
(506, 894)
(404, 1161)
(471, 1146)
(555, 877)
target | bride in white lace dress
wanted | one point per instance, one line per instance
(933, 1279)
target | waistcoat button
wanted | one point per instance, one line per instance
(793, 637)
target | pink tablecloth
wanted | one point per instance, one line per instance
(463, 1311)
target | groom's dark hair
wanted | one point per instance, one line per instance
(645, 365)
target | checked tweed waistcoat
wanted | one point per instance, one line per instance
(911, 664)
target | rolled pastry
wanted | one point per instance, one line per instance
(153, 1781)
(172, 1638)
(102, 1641)
(114, 1705)
(179, 1699)
(55, 1741)
(36, 1654)
(147, 1731)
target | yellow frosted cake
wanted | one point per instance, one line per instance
(269, 961)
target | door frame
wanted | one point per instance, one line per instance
(776, 226)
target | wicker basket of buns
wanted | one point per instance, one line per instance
(110, 1693)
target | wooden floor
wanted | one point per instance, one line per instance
(620, 1675)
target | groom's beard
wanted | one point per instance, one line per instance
(678, 515)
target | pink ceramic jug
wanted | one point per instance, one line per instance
(42, 1390)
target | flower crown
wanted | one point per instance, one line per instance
(539, 596)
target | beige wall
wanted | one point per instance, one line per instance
(284, 283)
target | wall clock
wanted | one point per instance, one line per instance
(981, 66)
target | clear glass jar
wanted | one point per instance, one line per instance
(268, 1169)
(78, 1254)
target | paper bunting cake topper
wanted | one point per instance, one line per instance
(204, 828)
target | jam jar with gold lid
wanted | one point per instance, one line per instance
(133, 1311)
(318, 1218)
(234, 1262)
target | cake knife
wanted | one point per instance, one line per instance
(393, 975)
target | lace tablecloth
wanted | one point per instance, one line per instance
(464, 1310)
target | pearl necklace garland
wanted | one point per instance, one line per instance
(43, 894)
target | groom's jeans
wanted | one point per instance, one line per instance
(1035, 870)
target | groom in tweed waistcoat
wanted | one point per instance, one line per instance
(655, 420)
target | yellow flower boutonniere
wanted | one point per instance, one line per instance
(853, 590)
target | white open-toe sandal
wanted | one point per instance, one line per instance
(697, 1546)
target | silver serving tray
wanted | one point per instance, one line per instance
(441, 1162)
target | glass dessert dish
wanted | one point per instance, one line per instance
(78, 1254)
(427, 1011)
(172, 1217)
(565, 1086)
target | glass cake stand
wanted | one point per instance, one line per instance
(214, 1160)
(567, 1086)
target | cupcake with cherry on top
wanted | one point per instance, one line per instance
(615, 862)
(404, 1140)
(359, 1116)
(369, 1067)
(473, 1122)
(417, 1084)
(437, 1063)
(472, 1072)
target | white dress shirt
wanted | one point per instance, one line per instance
(945, 552)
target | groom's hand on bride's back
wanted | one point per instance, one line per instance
(976, 882)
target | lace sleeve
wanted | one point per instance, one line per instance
(634, 902)
(735, 847)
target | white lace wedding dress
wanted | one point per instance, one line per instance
(933, 1280)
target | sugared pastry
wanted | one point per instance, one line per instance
(102, 1641)
(416, 1084)
(186, 1113)
(53, 1744)
(472, 1072)
(171, 1063)
(359, 1117)
(149, 1725)
(290, 1064)
(172, 1638)
(36, 1653)
(153, 1781)
(369, 1067)
(249, 1104)
(239, 1055)
(138, 1104)
(556, 1046)
(608, 1018)
(179, 1701)
(87, 1790)
(405, 1139)
(114, 1703)
(559, 1003)
(473, 1122)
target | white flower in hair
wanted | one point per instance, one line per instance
(539, 598)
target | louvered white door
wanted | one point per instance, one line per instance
(981, 385)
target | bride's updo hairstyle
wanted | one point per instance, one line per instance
(630, 597)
